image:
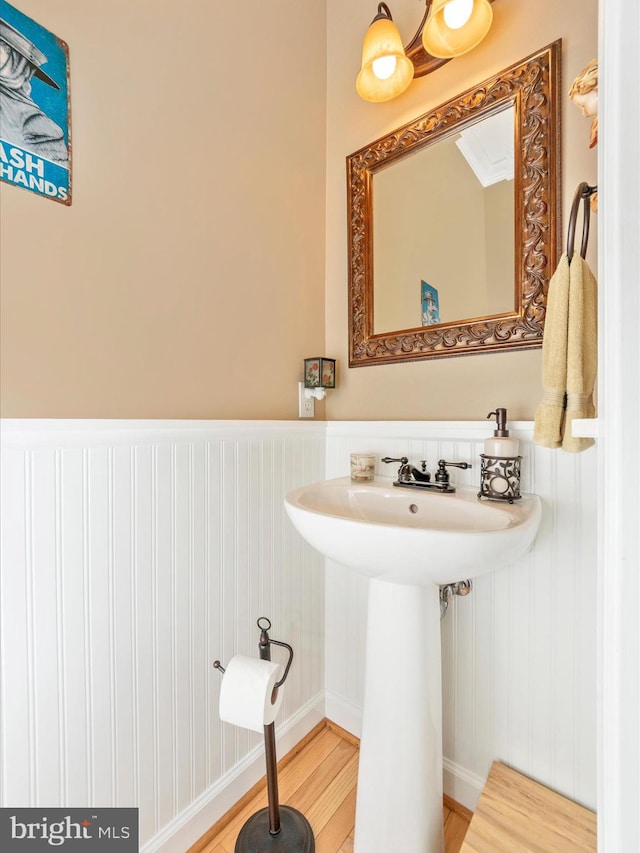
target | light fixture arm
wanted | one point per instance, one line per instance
(385, 12)
(423, 62)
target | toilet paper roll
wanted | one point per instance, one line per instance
(247, 690)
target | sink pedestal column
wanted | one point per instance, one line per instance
(399, 800)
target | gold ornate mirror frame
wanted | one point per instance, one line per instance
(532, 87)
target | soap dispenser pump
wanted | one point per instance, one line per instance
(500, 444)
(500, 463)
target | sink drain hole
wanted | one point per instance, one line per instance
(413, 508)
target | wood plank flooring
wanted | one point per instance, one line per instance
(319, 779)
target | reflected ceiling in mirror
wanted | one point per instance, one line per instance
(455, 255)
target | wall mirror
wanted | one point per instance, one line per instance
(454, 224)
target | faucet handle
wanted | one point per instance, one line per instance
(403, 470)
(442, 475)
(443, 463)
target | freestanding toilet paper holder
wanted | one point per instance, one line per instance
(277, 829)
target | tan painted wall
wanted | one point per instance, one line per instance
(456, 388)
(187, 278)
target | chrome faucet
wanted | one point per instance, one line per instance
(419, 478)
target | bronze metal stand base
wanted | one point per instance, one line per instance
(295, 836)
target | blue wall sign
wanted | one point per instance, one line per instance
(35, 132)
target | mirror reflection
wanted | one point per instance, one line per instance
(443, 230)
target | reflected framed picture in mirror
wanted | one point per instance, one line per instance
(464, 199)
(430, 304)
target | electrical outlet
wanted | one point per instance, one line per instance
(306, 405)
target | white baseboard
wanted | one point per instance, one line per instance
(343, 713)
(194, 821)
(461, 785)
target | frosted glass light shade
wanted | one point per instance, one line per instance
(444, 42)
(383, 40)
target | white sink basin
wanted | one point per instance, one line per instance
(410, 536)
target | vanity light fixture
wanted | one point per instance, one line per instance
(449, 28)
(319, 377)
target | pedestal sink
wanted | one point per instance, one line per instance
(407, 542)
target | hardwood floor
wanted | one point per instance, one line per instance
(319, 779)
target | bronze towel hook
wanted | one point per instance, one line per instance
(583, 192)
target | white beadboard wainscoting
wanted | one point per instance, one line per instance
(133, 555)
(520, 652)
